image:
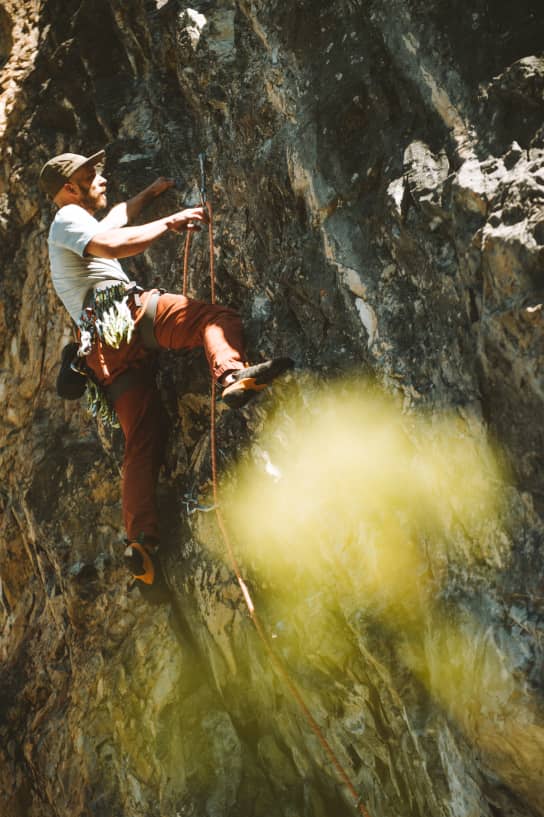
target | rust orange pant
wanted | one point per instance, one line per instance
(180, 323)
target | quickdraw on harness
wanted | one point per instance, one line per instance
(107, 319)
(106, 316)
(99, 406)
(274, 658)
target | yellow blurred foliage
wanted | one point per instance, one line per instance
(348, 487)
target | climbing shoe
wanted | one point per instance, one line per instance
(248, 382)
(141, 559)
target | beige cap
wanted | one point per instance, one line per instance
(57, 171)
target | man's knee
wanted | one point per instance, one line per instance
(227, 313)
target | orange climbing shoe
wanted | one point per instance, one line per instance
(248, 382)
(140, 560)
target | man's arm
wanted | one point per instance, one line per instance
(123, 242)
(127, 211)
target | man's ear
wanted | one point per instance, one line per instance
(65, 194)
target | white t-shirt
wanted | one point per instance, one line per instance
(72, 272)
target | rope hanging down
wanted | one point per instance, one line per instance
(276, 661)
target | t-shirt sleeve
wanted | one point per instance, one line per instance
(73, 229)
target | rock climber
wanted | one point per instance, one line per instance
(121, 326)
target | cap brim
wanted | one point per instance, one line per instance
(94, 159)
(90, 160)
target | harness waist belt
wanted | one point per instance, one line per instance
(102, 285)
(146, 320)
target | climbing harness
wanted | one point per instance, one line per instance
(276, 661)
(107, 318)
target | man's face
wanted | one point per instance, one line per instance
(90, 185)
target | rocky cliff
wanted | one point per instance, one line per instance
(377, 174)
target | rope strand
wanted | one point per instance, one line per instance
(186, 262)
(278, 664)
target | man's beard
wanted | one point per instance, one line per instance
(92, 201)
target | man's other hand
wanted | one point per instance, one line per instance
(159, 186)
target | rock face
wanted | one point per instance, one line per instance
(377, 173)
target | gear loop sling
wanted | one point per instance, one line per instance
(274, 658)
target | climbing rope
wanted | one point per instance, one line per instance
(277, 662)
(186, 262)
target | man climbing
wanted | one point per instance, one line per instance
(120, 325)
